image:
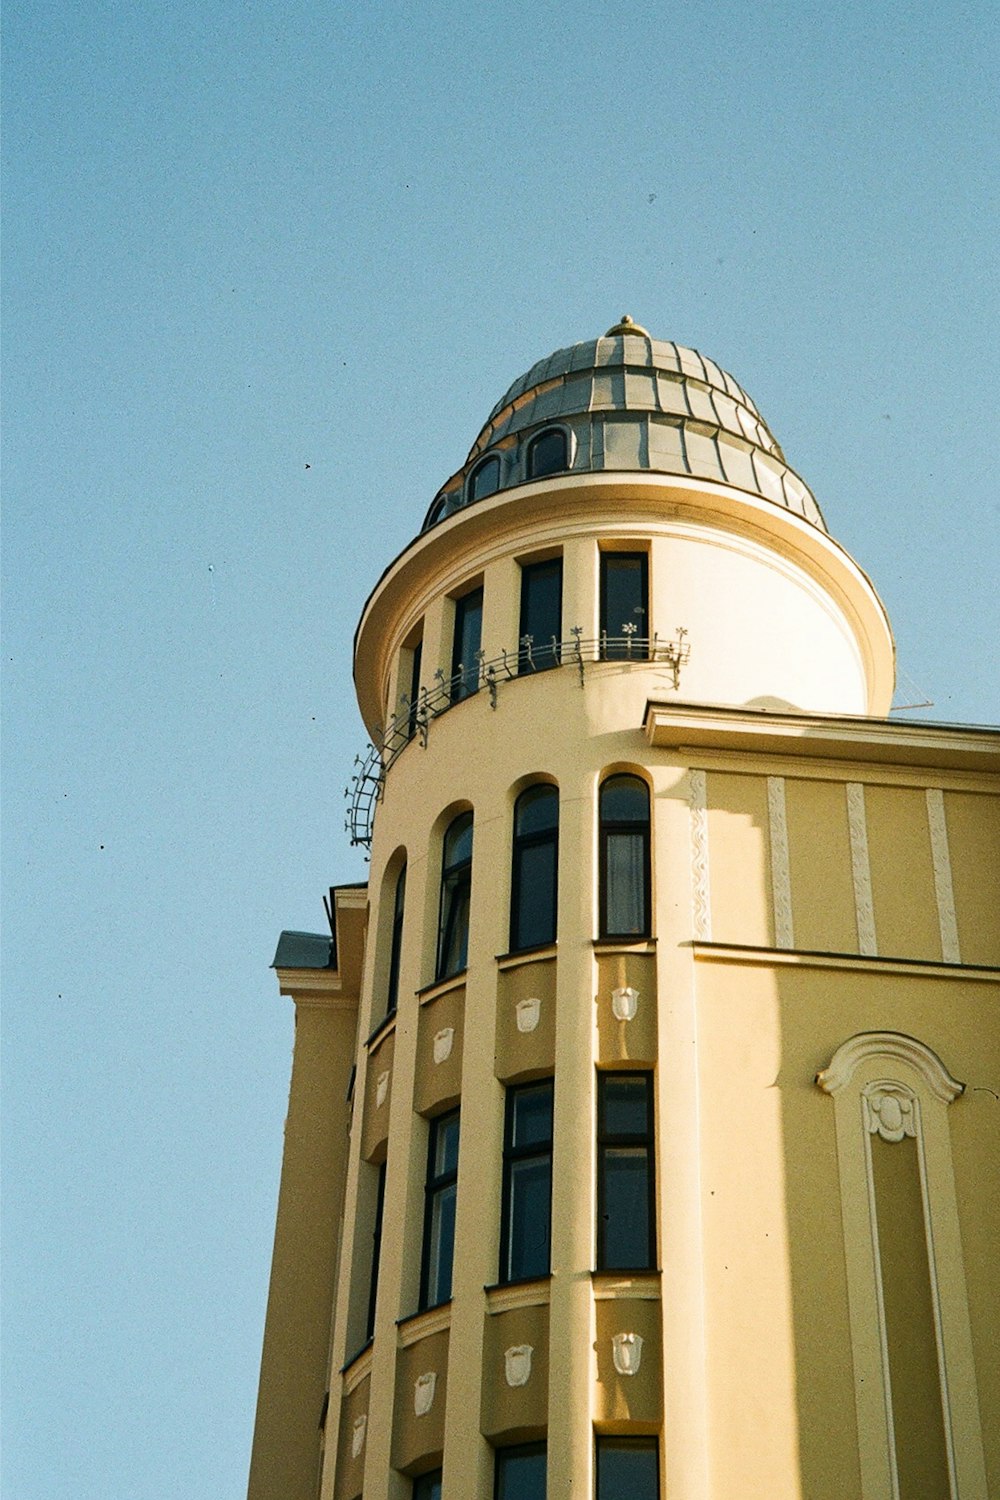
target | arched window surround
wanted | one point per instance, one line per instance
(537, 438)
(471, 482)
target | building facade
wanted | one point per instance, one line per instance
(642, 1136)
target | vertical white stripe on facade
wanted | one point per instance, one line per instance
(943, 889)
(781, 880)
(698, 803)
(860, 868)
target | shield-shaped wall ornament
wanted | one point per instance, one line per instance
(528, 1012)
(423, 1392)
(626, 1350)
(518, 1364)
(381, 1088)
(624, 1002)
(442, 1043)
(358, 1434)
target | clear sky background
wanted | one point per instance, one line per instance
(267, 269)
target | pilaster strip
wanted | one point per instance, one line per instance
(698, 804)
(860, 868)
(943, 889)
(781, 879)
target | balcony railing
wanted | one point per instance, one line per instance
(413, 722)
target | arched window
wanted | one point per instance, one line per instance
(535, 873)
(547, 453)
(396, 947)
(485, 480)
(456, 886)
(624, 858)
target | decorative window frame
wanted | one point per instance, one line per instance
(893, 1085)
(543, 431)
(470, 479)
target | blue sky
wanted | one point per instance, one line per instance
(266, 270)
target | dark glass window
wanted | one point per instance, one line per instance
(485, 480)
(628, 1469)
(414, 693)
(456, 888)
(520, 1473)
(468, 638)
(396, 947)
(624, 858)
(541, 615)
(527, 1183)
(624, 605)
(376, 1251)
(547, 453)
(625, 1189)
(535, 873)
(439, 1211)
(428, 1486)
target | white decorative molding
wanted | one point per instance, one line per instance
(626, 1351)
(781, 878)
(857, 825)
(625, 1003)
(423, 1392)
(381, 1088)
(894, 1046)
(517, 1364)
(698, 806)
(527, 1013)
(358, 1434)
(442, 1043)
(890, 1110)
(943, 889)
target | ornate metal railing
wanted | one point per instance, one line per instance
(413, 722)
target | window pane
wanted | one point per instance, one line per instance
(441, 1248)
(623, 601)
(535, 895)
(486, 479)
(445, 1145)
(627, 1469)
(625, 883)
(468, 637)
(521, 1474)
(530, 1213)
(624, 799)
(537, 810)
(626, 1208)
(532, 1123)
(458, 841)
(428, 1487)
(547, 453)
(454, 925)
(541, 613)
(624, 1105)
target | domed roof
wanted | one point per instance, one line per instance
(627, 401)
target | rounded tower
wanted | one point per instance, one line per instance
(631, 886)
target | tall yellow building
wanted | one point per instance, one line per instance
(642, 1137)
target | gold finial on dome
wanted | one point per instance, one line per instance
(627, 326)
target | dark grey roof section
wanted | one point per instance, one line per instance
(628, 401)
(304, 950)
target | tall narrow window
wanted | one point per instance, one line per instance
(456, 887)
(625, 1185)
(535, 877)
(468, 637)
(627, 1468)
(376, 1251)
(396, 947)
(624, 605)
(624, 858)
(428, 1486)
(541, 615)
(520, 1473)
(547, 453)
(439, 1211)
(526, 1224)
(485, 480)
(414, 693)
